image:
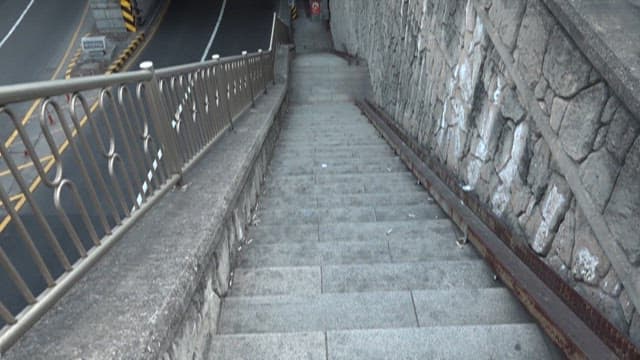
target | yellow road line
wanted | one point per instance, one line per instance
(26, 165)
(22, 199)
(35, 104)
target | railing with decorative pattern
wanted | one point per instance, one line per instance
(91, 155)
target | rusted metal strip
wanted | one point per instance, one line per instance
(578, 328)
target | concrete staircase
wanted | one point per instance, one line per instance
(350, 258)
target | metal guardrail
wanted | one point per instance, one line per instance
(130, 136)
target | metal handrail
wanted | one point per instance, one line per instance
(108, 147)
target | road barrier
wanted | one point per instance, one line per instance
(128, 149)
(122, 58)
(128, 15)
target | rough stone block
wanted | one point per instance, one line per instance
(622, 133)
(532, 41)
(506, 16)
(558, 108)
(598, 174)
(539, 172)
(565, 237)
(565, 67)
(590, 264)
(581, 121)
(624, 206)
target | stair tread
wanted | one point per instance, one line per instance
(313, 215)
(275, 233)
(301, 280)
(293, 313)
(373, 250)
(347, 200)
(505, 341)
(370, 310)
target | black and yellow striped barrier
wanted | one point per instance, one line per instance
(125, 54)
(128, 15)
(294, 12)
(72, 64)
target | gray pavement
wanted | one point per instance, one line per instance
(348, 257)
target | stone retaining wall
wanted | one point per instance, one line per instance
(499, 92)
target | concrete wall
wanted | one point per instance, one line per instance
(499, 92)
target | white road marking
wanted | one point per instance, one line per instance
(215, 31)
(13, 28)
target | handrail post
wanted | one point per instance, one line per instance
(273, 62)
(162, 124)
(263, 74)
(248, 77)
(216, 60)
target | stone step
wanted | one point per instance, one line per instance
(292, 280)
(325, 201)
(309, 280)
(505, 341)
(398, 230)
(311, 97)
(319, 141)
(398, 178)
(330, 162)
(340, 71)
(431, 275)
(341, 150)
(390, 166)
(331, 110)
(316, 115)
(273, 234)
(314, 254)
(331, 154)
(442, 231)
(309, 253)
(353, 167)
(294, 215)
(369, 310)
(283, 346)
(329, 157)
(294, 313)
(326, 140)
(373, 186)
(331, 128)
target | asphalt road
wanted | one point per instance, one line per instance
(182, 37)
(36, 46)
(188, 25)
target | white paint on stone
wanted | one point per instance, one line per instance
(585, 266)
(554, 204)
(507, 175)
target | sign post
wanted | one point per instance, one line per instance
(316, 11)
(94, 47)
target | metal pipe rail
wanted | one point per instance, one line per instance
(107, 148)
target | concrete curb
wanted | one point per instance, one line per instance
(121, 60)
